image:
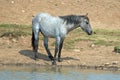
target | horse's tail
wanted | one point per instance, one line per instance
(35, 38)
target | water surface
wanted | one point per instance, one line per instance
(55, 73)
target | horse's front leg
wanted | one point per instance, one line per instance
(47, 49)
(57, 43)
(60, 48)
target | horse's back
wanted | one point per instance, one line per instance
(47, 20)
(48, 24)
(39, 16)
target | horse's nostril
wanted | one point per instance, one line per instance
(90, 33)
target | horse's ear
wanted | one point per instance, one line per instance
(86, 14)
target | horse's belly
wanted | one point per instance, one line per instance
(48, 33)
(51, 35)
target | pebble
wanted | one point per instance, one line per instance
(31, 0)
(114, 62)
(23, 11)
(76, 50)
(68, 62)
(106, 64)
(12, 2)
(14, 40)
(51, 1)
(62, 3)
(92, 45)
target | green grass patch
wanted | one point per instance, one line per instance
(14, 30)
(100, 36)
(117, 49)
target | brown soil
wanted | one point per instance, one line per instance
(20, 52)
(102, 13)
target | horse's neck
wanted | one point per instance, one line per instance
(71, 27)
(70, 22)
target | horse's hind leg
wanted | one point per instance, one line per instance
(47, 49)
(35, 40)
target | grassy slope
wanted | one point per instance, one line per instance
(99, 37)
(14, 30)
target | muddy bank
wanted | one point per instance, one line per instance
(109, 68)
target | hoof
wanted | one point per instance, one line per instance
(59, 60)
(35, 57)
(54, 63)
(51, 57)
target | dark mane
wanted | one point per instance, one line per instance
(73, 19)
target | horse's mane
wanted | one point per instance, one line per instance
(73, 19)
(70, 19)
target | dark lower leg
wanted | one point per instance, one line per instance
(47, 49)
(48, 52)
(35, 38)
(59, 54)
(54, 60)
(57, 43)
(59, 57)
(36, 49)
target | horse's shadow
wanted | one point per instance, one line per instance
(30, 54)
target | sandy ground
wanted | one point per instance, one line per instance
(102, 13)
(19, 52)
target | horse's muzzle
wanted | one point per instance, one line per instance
(89, 33)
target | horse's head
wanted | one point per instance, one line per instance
(85, 24)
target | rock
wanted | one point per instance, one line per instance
(14, 40)
(68, 62)
(106, 64)
(114, 62)
(23, 11)
(78, 0)
(62, 3)
(84, 64)
(76, 50)
(92, 45)
(51, 1)
(31, 0)
(12, 2)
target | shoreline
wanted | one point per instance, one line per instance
(108, 68)
(84, 57)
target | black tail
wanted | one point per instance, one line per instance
(32, 40)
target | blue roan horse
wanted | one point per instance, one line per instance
(56, 27)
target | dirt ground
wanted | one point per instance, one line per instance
(102, 13)
(19, 52)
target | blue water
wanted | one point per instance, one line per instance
(67, 73)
